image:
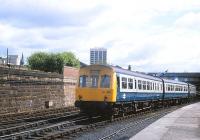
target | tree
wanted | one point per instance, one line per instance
(52, 62)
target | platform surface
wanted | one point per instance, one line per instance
(182, 124)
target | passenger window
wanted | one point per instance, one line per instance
(139, 84)
(148, 85)
(130, 83)
(144, 85)
(135, 84)
(155, 86)
(168, 87)
(105, 81)
(124, 83)
(158, 88)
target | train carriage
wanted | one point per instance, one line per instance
(175, 89)
(134, 86)
(111, 89)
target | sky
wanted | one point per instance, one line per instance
(151, 36)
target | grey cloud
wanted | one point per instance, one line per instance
(26, 16)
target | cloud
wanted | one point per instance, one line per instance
(189, 20)
(23, 13)
(149, 35)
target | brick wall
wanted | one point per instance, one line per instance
(25, 90)
(70, 82)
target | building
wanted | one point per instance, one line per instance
(13, 59)
(82, 64)
(2, 60)
(98, 56)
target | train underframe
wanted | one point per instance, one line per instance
(124, 108)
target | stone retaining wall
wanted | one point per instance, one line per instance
(25, 90)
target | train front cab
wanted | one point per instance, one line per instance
(96, 91)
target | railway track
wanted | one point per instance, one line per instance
(147, 119)
(26, 117)
(37, 123)
(39, 131)
(16, 116)
(67, 127)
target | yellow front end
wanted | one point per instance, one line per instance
(98, 93)
(90, 94)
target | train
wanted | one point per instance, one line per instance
(112, 90)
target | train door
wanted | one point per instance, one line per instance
(118, 83)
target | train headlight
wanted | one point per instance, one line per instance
(105, 98)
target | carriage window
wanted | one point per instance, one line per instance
(161, 86)
(144, 85)
(139, 84)
(155, 86)
(105, 81)
(82, 81)
(148, 85)
(135, 84)
(124, 83)
(130, 83)
(168, 88)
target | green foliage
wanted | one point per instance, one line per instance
(52, 62)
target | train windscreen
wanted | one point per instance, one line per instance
(93, 80)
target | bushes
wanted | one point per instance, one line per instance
(52, 62)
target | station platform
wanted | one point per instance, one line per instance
(182, 124)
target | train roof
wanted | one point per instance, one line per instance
(174, 82)
(133, 73)
(121, 70)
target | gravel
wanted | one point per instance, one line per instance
(125, 129)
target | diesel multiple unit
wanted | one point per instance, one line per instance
(114, 90)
